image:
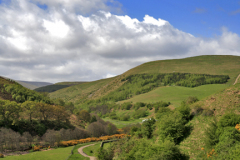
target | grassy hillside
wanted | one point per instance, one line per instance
(176, 94)
(84, 90)
(214, 65)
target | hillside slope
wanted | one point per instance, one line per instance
(214, 65)
(222, 102)
(56, 86)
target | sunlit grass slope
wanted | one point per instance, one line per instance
(214, 65)
(176, 94)
(56, 154)
(81, 91)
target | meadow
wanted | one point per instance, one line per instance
(176, 94)
(55, 154)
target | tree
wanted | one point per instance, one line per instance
(45, 110)
(84, 115)
(29, 107)
(9, 110)
(60, 113)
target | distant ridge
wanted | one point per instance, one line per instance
(37, 84)
(29, 84)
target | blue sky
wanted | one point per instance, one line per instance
(203, 18)
(85, 40)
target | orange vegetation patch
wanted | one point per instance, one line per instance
(91, 139)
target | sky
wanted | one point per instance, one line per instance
(86, 40)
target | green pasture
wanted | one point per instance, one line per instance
(55, 154)
(176, 94)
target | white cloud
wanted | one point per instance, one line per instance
(57, 28)
(62, 43)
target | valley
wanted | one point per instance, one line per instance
(182, 109)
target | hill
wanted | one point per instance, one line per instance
(212, 65)
(56, 86)
(37, 84)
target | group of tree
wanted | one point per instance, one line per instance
(22, 94)
(14, 141)
(167, 130)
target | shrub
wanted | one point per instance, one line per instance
(140, 113)
(113, 115)
(148, 127)
(185, 112)
(149, 106)
(162, 111)
(197, 110)
(125, 118)
(160, 105)
(126, 105)
(191, 100)
(1, 155)
(230, 119)
(171, 127)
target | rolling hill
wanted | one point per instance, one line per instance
(209, 64)
(56, 86)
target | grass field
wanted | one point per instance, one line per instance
(55, 154)
(176, 94)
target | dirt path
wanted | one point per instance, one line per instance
(236, 79)
(80, 150)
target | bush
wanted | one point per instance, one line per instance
(149, 106)
(172, 127)
(197, 110)
(125, 118)
(113, 115)
(191, 100)
(160, 105)
(126, 105)
(140, 113)
(103, 154)
(162, 111)
(148, 127)
(1, 155)
(230, 119)
(185, 112)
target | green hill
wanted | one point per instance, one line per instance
(212, 65)
(56, 86)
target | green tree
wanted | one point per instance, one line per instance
(84, 115)
(29, 107)
(9, 110)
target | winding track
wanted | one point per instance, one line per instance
(80, 150)
(236, 79)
